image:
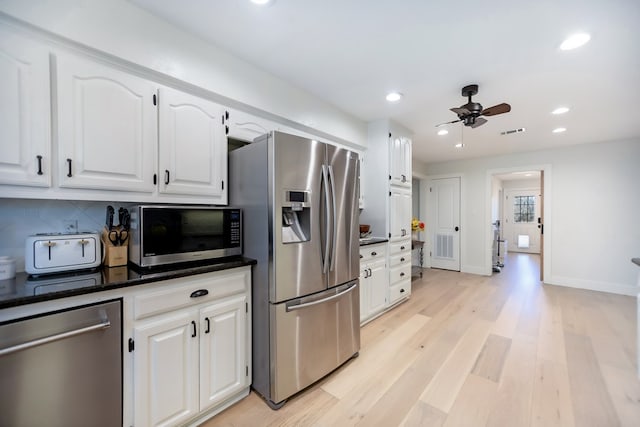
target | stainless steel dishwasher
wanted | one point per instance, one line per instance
(63, 368)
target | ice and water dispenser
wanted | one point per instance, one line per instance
(296, 217)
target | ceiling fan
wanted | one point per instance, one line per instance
(469, 113)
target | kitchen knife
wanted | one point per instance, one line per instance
(109, 221)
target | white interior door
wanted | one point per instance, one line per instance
(521, 214)
(444, 216)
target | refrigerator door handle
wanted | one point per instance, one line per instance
(334, 228)
(327, 203)
(321, 301)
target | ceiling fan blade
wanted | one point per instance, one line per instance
(448, 123)
(496, 109)
(460, 111)
(479, 122)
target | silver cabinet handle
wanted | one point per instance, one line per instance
(333, 219)
(327, 203)
(24, 346)
(323, 300)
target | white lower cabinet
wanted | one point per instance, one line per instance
(399, 270)
(373, 281)
(193, 361)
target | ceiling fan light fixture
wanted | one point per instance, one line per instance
(560, 110)
(394, 96)
(442, 132)
(575, 41)
(559, 130)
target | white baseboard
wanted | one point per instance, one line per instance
(593, 285)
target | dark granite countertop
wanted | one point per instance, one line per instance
(25, 289)
(372, 241)
(636, 261)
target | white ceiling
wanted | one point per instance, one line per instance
(351, 53)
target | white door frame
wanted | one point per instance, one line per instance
(547, 214)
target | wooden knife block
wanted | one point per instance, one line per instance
(114, 256)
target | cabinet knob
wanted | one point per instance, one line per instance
(401, 291)
(360, 256)
(193, 324)
(374, 253)
(39, 164)
(402, 259)
(402, 248)
(401, 274)
(199, 293)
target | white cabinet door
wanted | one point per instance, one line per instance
(25, 142)
(193, 148)
(166, 370)
(378, 286)
(246, 127)
(107, 127)
(400, 213)
(223, 353)
(400, 161)
(364, 293)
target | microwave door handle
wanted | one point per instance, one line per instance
(321, 301)
(325, 231)
(334, 227)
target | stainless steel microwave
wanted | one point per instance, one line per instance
(162, 235)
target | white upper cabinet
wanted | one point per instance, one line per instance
(400, 161)
(246, 127)
(107, 127)
(193, 146)
(25, 140)
(399, 214)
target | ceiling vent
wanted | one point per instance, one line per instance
(509, 132)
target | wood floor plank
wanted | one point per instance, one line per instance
(625, 394)
(473, 404)
(551, 401)
(442, 391)
(513, 400)
(592, 405)
(490, 361)
(423, 414)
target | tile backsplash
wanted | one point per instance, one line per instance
(20, 218)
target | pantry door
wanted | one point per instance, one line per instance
(443, 203)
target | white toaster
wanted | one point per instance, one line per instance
(53, 253)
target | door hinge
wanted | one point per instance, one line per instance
(246, 307)
(246, 370)
(155, 100)
(155, 179)
(132, 345)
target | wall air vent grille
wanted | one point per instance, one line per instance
(509, 132)
(444, 246)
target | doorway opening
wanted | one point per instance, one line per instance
(517, 215)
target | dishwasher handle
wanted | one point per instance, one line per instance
(103, 325)
(323, 300)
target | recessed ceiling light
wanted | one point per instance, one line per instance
(560, 110)
(575, 41)
(443, 132)
(262, 2)
(394, 96)
(459, 145)
(528, 174)
(559, 130)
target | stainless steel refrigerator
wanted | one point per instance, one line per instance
(300, 217)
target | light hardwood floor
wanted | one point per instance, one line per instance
(469, 350)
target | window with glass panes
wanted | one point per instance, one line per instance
(524, 208)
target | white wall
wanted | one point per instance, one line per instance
(127, 32)
(592, 230)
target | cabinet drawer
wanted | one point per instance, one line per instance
(400, 247)
(400, 272)
(372, 252)
(399, 291)
(177, 293)
(398, 259)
